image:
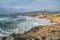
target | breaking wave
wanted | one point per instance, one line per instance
(19, 24)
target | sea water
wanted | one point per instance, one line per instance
(19, 24)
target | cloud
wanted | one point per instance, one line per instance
(30, 5)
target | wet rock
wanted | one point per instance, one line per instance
(4, 38)
(36, 39)
(43, 38)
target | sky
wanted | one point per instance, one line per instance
(18, 6)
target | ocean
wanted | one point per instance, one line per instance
(19, 24)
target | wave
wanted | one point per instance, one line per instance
(19, 24)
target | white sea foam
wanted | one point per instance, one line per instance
(20, 24)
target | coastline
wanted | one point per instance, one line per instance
(43, 30)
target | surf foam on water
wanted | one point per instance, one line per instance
(19, 24)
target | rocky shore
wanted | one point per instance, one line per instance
(44, 32)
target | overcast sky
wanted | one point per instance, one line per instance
(17, 6)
